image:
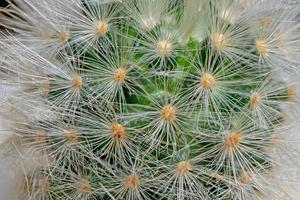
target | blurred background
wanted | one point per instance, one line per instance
(6, 175)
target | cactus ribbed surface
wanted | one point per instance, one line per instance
(150, 99)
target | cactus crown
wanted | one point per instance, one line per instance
(149, 99)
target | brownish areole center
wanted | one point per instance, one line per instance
(119, 74)
(184, 167)
(64, 36)
(72, 136)
(255, 99)
(219, 40)
(101, 28)
(117, 130)
(76, 81)
(131, 181)
(207, 80)
(168, 113)
(232, 140)
(83, 186)
(261, 47)
(163, 48)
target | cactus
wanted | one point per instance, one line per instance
(150, 99)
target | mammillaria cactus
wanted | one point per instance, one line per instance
(151, 99)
